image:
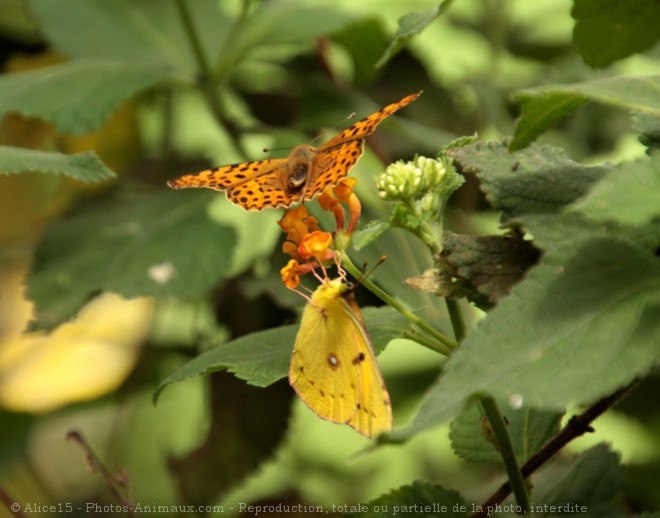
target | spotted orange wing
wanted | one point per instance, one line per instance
(335, 158)
(252, 185)
(273, 183)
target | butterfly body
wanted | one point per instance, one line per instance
(333, 366)
(305, 173)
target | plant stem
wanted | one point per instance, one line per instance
(577, 426)
(457, 320)
(207, 80)
(114, 483)
(424, 231)
(516, 479)
(445, 345)
(194, 39)
(494, 416)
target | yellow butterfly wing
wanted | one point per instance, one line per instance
(333, 366)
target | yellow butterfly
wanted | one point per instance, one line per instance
(333, 366)
(306, 172)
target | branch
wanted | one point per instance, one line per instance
(577, 426)
(117, 483)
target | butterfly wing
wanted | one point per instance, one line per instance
(333, 367)
(368, 125)
(329, 167)
(257, 185)
(374, 412)
(335, 158)
(251, 185)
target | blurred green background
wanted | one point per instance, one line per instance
(288, 74)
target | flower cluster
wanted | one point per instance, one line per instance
(418, 179)
(308, 246)
(419, 190)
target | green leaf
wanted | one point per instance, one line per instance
(608, 30)
(130, 30)
(410, 25)
(481, 268)
(84, 167)
(591, 481)
(262, 358)
(76, 97)
(417, 500)
(275, 23)
(545, 106)
(160, 244)
(582, 324)
(364, 40)
(629, 194)
(649, 127)
(537, 180)
(529, 430)
(370, 232)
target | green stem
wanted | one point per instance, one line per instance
(207, 80)
(494, 416)
(424, 231)
(457, 320)
(195, 41)
(445, 345)
(577, 426)
(503, 439)
(230, 54)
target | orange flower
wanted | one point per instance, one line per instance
(291, 274)
(344, 189)
(317, 245)
(332, 199)
(297, 223)
(306, 244)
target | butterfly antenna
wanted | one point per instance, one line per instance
(269, 149)
(335, 126)
(368, 274)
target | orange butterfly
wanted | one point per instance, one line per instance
(306, 172)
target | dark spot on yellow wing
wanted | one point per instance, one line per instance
(301, 368)
(322, 393)
(358, 406)
(358, 359)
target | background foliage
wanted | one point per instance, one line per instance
(114, 289)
